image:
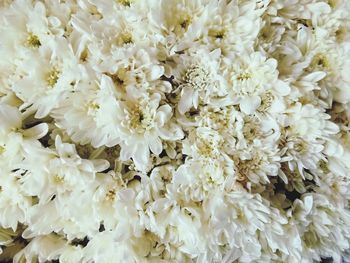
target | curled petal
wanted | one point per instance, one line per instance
(186, 100)
(163, 114)
(155, 145)
(37, 131)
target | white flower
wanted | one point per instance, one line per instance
(174, 131)
(43, 247)
(143, 124)
(320, 223)
(233, 26)
(198, 76)
(88, 114)
(43, 79)
(183, 20)
(252, 77)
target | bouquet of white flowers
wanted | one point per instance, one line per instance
(174, 131)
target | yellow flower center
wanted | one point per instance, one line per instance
(33, 41)
(197, 77)
(324, 166)
(58, 179)
(217, 33)
(124, 2)
(94, 106)
(84, 55)
(244, 76)
(320, 61)
(2, 149)
(182, 22)
(332, 3)
(110, 195)
(52, 77)
(185, 23)
(340, 34)
(311, 238)
(301, 146)
(244, 167)
(140, 119)
(124, 38)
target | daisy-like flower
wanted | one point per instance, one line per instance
(308, 138)
(207, 167)
(174, 131)
(256, 167)
(236, 211)
(142, 125)
(251, 78)
(233, 26)
(50, 246)
(183, 20)
(65, 178)
(139, 74)
(30, 33)
(198, 76)
(320, 222)
(87, 114)
(42, 80)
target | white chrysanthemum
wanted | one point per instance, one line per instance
(308, 137)
(233, 26)
(142, 125)
(183, 21)
(236, 219)
(174, 131)
(63, 180)
(31, 26)
(14, 147)
(135, 76)
(41, 248)
(320, 223)
(88, 114)
(197, 73)
(43, 78)
(251, 78)
(313, 54)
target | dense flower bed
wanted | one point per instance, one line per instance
(174, 130)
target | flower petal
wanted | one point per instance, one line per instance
(164, 113)
(37, 131)
(185, 102)
(155, 145)
(249, 104)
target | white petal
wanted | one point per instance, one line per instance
(195, 99)
(342, 95)
(319, 8)
(126, 152)
(308, 201)
(282, 88)
(249, 104)
(186, 99)
(10, 117)
(37, 131)
(164, 113)
(155, 145)
(141, 155)
(156, 72)
(315, 76)
(100, 165)
(172, 132)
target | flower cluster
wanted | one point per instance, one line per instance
(174, 130)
